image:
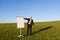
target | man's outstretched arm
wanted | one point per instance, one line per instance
(26, 18)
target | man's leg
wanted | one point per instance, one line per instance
(30, 29)
(27, 29)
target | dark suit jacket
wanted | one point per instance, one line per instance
(29, 20)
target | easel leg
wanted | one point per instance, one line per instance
(20, 34)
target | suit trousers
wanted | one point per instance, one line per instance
(29, 29)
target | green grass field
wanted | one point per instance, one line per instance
(41, 31)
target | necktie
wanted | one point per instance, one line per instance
(30, 21)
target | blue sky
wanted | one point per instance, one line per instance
(40, 10)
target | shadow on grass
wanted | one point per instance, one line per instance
(48, 27)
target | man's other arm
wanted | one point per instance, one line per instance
(32, 22)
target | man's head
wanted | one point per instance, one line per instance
(30, 17)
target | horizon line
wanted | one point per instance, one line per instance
(34, 21)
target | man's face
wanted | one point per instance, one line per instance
(30, 17)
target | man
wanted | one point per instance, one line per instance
(29, 25)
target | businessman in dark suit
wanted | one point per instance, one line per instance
(29, 25)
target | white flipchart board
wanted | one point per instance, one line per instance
(20, 22)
